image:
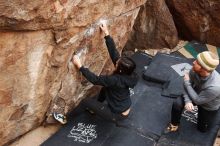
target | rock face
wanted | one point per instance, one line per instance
(197, 19)
(37, 41)
(23, 84)
(60, 14)
(154, 27)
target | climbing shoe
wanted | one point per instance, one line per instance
(60, 118)
(171, 128)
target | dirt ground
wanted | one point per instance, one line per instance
(217, 142)
(37, 136)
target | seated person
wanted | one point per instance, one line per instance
(116, 86)
(202, 86)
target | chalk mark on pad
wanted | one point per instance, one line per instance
(84, 133)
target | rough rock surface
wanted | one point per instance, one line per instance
(37, 41)
(197, 19)
(60, 14)
(154, 28)
(23, 84)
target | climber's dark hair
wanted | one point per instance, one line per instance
(125, 66)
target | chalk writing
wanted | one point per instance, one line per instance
(191, 116)
(131, 90)
(83, 133)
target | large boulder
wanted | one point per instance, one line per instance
(197, 19)
(69, 85)
(60, 14)
(23, 84)
(37, 41)
(153, 28)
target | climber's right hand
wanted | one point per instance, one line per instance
(104, 28)
(76, 61)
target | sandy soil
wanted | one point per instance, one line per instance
(217, 142)
(37, 136)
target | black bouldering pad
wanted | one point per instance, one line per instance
(127, 137)
(174, 88)
(82, 129)
(150, 112)
(161, 70)
(188, 135)
(147, 103)
(87, 129)
(142, 60)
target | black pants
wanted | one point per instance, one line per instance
(102, 109)
(206, 119)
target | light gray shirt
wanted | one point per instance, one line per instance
(203, 91)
